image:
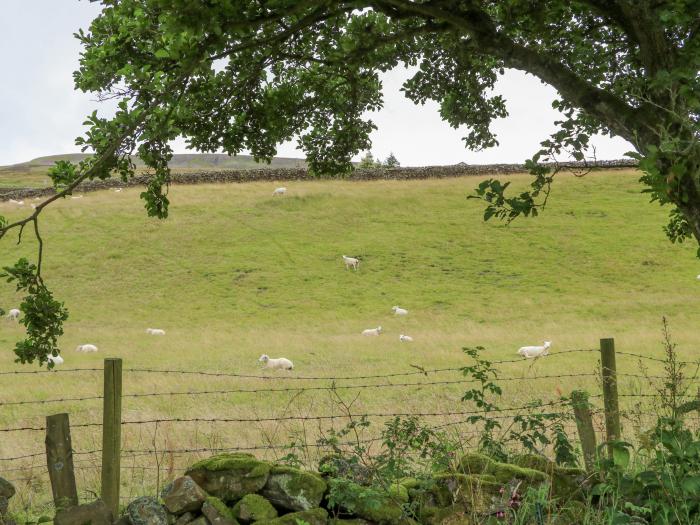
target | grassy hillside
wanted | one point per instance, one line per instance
(33, 173)
(235, 273)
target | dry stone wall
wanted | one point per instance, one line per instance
(302, 174)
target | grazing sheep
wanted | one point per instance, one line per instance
(281, 363)
(351, 262)
(406, 338)
(372, 331)
(77, 196)
(117, 190)
(86, 348)
(13, 314)
(18, 203)
(56, 360)
(535, 351)
(155, 331)
(399, 311)
(279, 191)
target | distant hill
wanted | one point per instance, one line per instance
(184, 161)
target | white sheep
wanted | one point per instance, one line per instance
(77, 196)
(86, 348)
(117, 190)
(698, 277)
(351, 262)
(56, 360)
(399, 311)
(155, 331)
(281, 363)
(33, 206)
(13, 314)
(405, 338)
(279, 191)
(18, 203)
(535, 351)
(372, 331)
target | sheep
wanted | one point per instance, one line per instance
(351, 262)
(13, 314)
(18, 203)
(281, 363)
(117, 190)
(279, 191)
(155, 331)
(399, 311)
(86, 348)
(77, 196)
(698, 277)
(372, 331)
(405, 338)
(56, 360)
(535, 351)
(33, 206)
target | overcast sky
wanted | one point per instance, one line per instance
(41, 114)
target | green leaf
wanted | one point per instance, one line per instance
(162, 53)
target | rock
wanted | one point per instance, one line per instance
(357, 521)
(230, 476)
(475, 463)
(4, 504)
(200, 521)
(7, 490)
(473, 493)
(185, 518)
(217, 513)
(146, 511)
(183, 495)
(336, 466)
(567, 482)
(294, 489)
(254, 507)
(312, 517)
(371, 505)
(123, 520)
(95, 513)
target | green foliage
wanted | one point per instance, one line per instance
(368, 162)
(391, 161)
(43, 316)
(63, 173)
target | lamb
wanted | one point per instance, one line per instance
(86, 348)
(405, 338)
(279, 191)
(535, 351)
(56, 360)
(372, 331)
(399, 311)
(155, 331)
(351, 262)
(281, 363)
(13, 314)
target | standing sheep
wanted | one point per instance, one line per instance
(155, 331)
(351, 262)
(279, 191)
(13, 314)
(535, 351)
(86, 348)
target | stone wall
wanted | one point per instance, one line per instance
(302, 174)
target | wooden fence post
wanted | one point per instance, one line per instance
(584, 423)
(609, 375)
(59, 458)
(112, 433)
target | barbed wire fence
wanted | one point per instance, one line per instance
(157, 455)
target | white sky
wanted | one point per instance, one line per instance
(41, 114)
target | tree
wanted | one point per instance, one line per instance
(391, 161)
(250, 74)
(367, 162)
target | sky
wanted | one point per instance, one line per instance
(41, 114)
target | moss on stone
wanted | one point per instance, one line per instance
(253, 507)
(220, 507)
(567, 482)
(398, 492)
(471, 492)
(312, 517)
(294, 489)
(475, 463)
(230, 476)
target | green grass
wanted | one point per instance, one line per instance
(234, 273)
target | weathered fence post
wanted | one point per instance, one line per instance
(584, 424)
(609, 375)
(112, 433)
(59, 458)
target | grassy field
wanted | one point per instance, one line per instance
(234, 273)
